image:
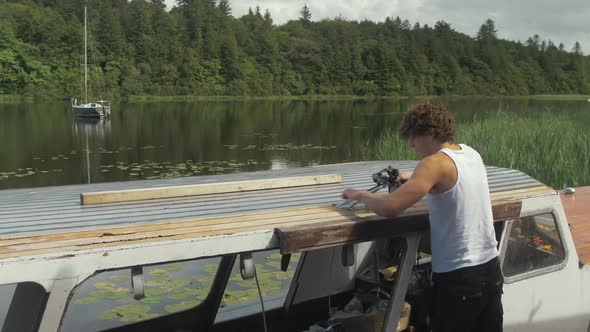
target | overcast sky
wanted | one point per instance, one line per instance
(562, 21)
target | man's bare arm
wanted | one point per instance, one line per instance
(426, 175)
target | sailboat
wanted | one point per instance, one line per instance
(84, 108)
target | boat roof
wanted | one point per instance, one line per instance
(45, 228)
(44, 210)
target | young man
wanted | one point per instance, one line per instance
(466, 269)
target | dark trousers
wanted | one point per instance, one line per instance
(468, 299)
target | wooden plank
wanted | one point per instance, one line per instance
(72, 241)
(260, 215)
(263, 218)
(71, 246)
(578, 216)
(155, 230)
(506, 210)
(104, 242)
(311, 236)
(210, 205)
(168, 207)
(334, 219)
(204, 189)
(21, 246)
(521, 193)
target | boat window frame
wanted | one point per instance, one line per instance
(206, 309)
(543, 270)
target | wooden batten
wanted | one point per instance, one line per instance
(204, 189)
(313, 236)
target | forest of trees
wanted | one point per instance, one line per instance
(198, 48)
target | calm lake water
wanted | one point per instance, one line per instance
(43, 145)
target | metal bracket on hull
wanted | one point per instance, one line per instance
(246, 265)
(285, 260)
(137, 282)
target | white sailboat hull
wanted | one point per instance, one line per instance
(92, 110)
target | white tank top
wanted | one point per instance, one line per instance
(461, 222)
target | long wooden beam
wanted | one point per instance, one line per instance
(204, 189)
(313, 236)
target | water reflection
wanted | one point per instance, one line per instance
(87, 129)
(95, 127)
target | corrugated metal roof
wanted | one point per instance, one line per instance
(58, 209)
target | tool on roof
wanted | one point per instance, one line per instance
(387, 177)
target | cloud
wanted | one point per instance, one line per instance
(561, 21)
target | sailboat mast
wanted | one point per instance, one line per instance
(85, 59)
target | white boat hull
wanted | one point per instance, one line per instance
(92, 110)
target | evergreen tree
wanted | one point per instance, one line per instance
(305, 14)
(224, 7)
(577, 49)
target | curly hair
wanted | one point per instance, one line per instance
(428, 118)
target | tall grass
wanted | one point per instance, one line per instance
(550, 148)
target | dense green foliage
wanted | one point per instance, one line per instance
(555, 150)
(198, 48)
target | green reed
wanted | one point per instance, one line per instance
(548, 147)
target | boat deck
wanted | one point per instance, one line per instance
(49, 231)
(577, 210)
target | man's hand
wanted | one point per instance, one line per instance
(354, 195)
(426, 175)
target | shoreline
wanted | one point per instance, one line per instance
(192, 98)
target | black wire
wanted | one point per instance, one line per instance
(261, 301)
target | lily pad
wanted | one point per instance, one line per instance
(155, 291)
(108, 295)
(173, 267)
(154, 283)
(128, 313)
(169, 285)
(210, 267)
(119, 278)
(104, 284)
(150, 300)
(274, 264)
(180, 296)
(181, 306)
(275, 256)
(159, 273)
(87, 300)
(200, 293)
(135, 318)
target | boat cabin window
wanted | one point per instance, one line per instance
(241, 297)
(533, 243)
(106, 300)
